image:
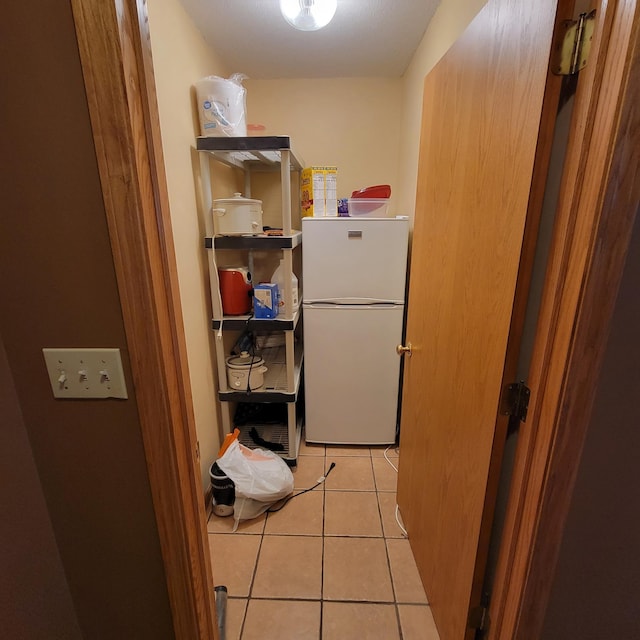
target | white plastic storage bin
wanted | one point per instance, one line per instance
(369, 207)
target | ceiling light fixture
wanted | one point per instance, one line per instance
(308, 15)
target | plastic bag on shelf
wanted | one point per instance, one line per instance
(222, 106)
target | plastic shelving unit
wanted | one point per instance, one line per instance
(283, 380)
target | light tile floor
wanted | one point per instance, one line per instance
(331, 565)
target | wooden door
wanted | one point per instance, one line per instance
(486, 121)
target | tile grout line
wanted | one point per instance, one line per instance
(322, 600)
(337, 600)
(379, 511)
(340, 600)
(253, 577)
(324, 464)
(386, 550)
(324, 511)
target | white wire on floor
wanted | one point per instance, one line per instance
(389, 461)
(393, 466)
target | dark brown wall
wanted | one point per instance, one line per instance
(58, 289)
(596, 588)
(34, 596)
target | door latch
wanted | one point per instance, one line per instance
(401, 350)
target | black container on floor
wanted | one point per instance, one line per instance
(223, 491)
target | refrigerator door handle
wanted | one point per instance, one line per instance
(370, 302)
(370, 306)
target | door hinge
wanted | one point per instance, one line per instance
(479, 618)
(571, 52)
(516, 400)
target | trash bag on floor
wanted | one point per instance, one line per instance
(261, 479)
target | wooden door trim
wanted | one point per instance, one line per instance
(596, 213)
(115, 55)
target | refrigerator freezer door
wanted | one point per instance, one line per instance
(354, 259)
(351, 373)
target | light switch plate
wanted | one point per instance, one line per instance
(85, 373)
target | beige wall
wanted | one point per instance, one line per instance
(368, 127)
(447, 24)
(181, 57)
(353, 123)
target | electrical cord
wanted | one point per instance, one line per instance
(317, 484)
(389, 461)
(393, 466)
(252, 353)
(252, 350)
(404, 531)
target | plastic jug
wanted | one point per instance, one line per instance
(279, 277)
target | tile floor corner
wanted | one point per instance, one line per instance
(332, 564)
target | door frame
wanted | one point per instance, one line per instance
(597, 207)
(115, 52)
(594, 223)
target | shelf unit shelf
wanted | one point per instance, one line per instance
(256, 153)
(275, 387)
(282, 381)
(260, 241)
(240, 323)
(273, 433)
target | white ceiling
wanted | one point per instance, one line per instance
(366, 38)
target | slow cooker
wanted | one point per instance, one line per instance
(245, 372)
(237, 216)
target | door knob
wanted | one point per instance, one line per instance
(401, 349)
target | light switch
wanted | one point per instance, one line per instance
(85, 373)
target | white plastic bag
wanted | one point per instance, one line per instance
(222, 106)
(261, 479)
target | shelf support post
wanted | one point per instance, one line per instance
(285, 171)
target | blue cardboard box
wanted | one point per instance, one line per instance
(265, 300)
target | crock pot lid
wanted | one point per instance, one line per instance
(238, 198)
(244, 361)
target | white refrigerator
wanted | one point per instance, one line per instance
(353, 307)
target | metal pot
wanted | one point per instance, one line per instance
(245, 372)
(237, 216)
